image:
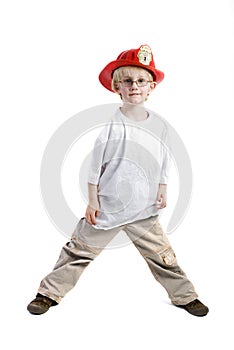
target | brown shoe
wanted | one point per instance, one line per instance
(195, 308)
(40, 305)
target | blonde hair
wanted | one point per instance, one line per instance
(126, 71)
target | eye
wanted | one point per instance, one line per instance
(141, 80)
(127, 80)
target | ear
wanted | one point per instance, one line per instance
(152, 86)
(116, 88)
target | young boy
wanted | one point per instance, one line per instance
(127, 188)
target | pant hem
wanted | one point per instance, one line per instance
(184, 301)
(49, 295)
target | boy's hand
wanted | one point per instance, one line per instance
(161, 196)
(93, 208)
(92, 211)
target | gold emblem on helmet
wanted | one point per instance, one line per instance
(144, 55)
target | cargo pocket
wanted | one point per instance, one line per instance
(168, 256)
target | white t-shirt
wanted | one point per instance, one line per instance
(129, 160)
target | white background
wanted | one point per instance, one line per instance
(51, 55)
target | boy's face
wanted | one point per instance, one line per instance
(134, 86)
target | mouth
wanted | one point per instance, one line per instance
(134, 94)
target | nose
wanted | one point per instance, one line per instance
(134, 85)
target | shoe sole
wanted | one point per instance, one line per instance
(200, 313)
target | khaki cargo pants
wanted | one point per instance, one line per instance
(87, 242)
